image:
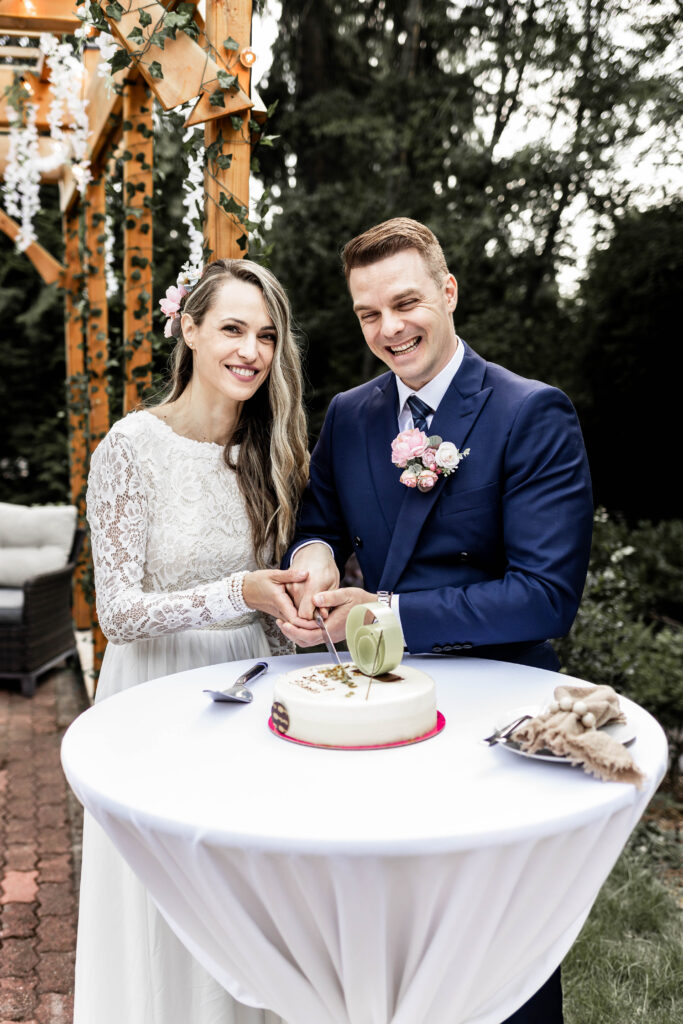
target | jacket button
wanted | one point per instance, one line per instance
(358, 542)
(467, 647)
(437, 649)
(456, 647)
(464, 556)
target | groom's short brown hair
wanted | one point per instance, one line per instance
(390, 237)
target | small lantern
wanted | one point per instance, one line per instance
(247, 57)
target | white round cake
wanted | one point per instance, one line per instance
(322, 704)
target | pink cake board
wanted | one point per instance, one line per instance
(440, 724)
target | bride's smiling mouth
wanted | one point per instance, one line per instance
(242, 372)
(405, 347)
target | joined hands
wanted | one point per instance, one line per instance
(320, 589)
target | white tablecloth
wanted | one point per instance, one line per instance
(440, 882)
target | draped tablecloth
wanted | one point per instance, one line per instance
(439, 882)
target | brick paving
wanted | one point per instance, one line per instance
(40, 845)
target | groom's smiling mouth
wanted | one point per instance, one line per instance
(405, 346)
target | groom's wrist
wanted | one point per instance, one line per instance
(312, 545)
(391, 600)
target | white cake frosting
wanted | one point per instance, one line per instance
(315, 704)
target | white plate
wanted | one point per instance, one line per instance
(622, 731)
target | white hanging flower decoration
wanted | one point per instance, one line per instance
(193, 201)
(22, 174)
(67, 82)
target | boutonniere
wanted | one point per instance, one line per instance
(424, 459)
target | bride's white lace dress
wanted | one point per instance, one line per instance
(169, 533)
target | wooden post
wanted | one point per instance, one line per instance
(97, 329)
(138, 187)
(76, 391)
(226, 18)
(97, 326)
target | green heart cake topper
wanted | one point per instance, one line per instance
(376, 648)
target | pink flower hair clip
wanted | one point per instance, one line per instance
(170, 304)
(424, 459)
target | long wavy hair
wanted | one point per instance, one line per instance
(272, 464)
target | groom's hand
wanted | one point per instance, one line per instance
(315, 559)
(337, 604)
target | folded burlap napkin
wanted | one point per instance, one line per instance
(569, 728)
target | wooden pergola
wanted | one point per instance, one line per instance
(121, 120)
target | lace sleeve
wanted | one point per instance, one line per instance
(118, 515)
(277, 641)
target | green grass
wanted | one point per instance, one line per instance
(626, 967)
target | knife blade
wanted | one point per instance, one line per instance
(331, 649)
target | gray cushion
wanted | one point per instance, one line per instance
(11, 604)
(34, 540)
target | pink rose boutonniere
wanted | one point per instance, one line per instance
(424, 459)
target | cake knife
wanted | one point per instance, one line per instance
(331, 649)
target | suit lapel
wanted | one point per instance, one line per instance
(382, 428)
(457, 413)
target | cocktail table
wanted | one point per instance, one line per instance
(439, 882)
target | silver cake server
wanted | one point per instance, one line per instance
(239, 691)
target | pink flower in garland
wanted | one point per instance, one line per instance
(410, 444)
(170, 305)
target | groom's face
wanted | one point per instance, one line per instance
(406, 315)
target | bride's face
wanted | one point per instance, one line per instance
(234, 344)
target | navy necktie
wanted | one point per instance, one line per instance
(420, 411)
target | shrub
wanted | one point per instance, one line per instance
(628, 632)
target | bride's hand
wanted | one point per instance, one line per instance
(265, 591)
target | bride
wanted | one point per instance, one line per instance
(189, 503)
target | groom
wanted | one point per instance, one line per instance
(491, 560)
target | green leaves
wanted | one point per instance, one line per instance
(226, 81)
(217, 99)
(229, 204)
(114, 10)
(155, 69)
(145, 18)
(121, 59)
(231, 44)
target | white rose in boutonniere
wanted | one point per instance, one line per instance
(448, 457)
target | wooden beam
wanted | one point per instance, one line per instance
(34, 16)
(138, 189)
(76, 393)
(228, 18)
(48, 267)
(39, 92)
(187, 68)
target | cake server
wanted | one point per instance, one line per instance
(331, 649)
(239, 691)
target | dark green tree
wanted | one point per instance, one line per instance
(630, 333)
(495, 123)
(33, 442)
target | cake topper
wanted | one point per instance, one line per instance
(376, 647)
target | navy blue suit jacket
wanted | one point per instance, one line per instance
(493, 560)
